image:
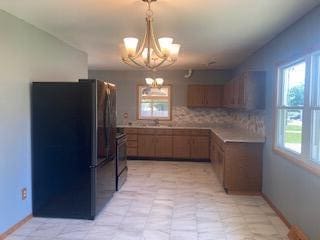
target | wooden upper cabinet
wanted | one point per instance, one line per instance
(195, 96)
(235, 95)
(228, 100)
(246, 91)
(213, 95)
(204, 95)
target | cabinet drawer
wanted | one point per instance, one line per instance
(132, 151)
(132, 137)
(130, 130)
(163, 132)
(182, 132)
(146, 131)
(200, 132)
(132, 143)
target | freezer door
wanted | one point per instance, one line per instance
(105, 183)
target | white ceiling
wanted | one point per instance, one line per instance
(226, 31)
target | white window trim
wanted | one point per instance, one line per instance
(305, 158)
(139, 117)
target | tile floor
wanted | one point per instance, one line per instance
(167, 201)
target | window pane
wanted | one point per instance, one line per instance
(146, 109)
(154, 102)
(316, 136)
(290, 129)
(154, 92)
(316, 82)
(293, 81)
(161, 109)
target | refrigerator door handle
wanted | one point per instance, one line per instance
(107, 121)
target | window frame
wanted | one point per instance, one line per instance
(139, 97)
(311, 91)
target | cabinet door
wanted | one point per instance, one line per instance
(163, 146)
(212, 151)
(146, 146)
(213, 95)
(235, 101)
(195, 96)
(200, 147)
(241, 97)
(228, 99)
(132, 152)
(181, 147)
(220, 164)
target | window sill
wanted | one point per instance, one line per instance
(309, 166)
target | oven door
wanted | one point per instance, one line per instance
(121, 161)
(121, 155)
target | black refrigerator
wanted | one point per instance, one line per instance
(73, 148)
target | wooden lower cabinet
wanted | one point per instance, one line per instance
(217, 159)
(200, 147)
(184, 144)
(163, 146)
(238, 166)
(243, 167)
(181, 147)
(132, 141)
(155, 146)
(191, 147)
(146, 146)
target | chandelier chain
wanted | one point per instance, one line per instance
(149, 12)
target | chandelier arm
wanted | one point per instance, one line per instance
(132, 62)
(139, 53)
(148, 40)
(148, 65)
(158, 65)
(162, 64)
(156, 46)
(169, 64)
(135, 62)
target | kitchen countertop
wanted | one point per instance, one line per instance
(225, 133)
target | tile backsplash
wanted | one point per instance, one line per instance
(183, 116)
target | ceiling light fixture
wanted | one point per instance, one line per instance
(151, 54)
(158, 82)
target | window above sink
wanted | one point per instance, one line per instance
(154, 103)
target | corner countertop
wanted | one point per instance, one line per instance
(225, 132)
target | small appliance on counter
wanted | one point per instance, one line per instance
(122, 168)
(73, 148)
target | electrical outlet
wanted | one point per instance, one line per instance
(23, 193)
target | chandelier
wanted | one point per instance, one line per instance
(158, 82)
(151, 54)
